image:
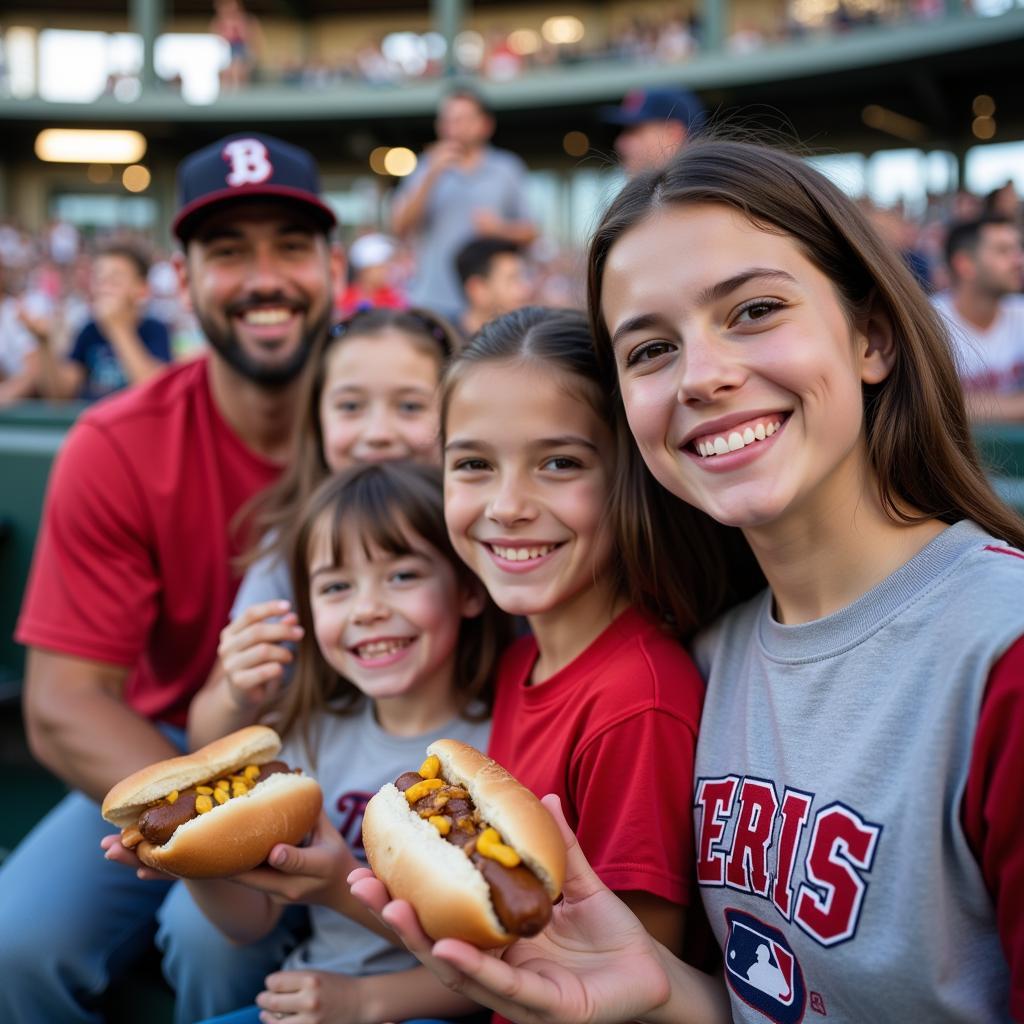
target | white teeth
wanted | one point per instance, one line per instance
(734, 441)
(522, 554)
(267, 317)
(381, 648)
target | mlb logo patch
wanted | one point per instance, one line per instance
(762, 970)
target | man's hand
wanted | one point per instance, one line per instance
(116, 313)
(444, 155)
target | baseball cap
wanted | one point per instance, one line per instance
(371, 251)
(639, 105)
(246, 166)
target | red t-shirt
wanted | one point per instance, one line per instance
(133, 561)
(992, 807)
(613, 734)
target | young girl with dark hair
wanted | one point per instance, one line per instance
(860, 768)
(600, 703)
(400, 647)
(370, 395)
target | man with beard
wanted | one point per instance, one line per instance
(132, 579)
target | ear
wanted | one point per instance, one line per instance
(180, 263)
(339, 264)
(473, 600)
(878, 347)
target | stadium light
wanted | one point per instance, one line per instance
(562, 29)
(136, 178)
(87, 146)
(888, 121)
(400, 161)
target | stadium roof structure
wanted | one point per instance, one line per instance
(923, 75)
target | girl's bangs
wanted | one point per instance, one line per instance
(369, 517)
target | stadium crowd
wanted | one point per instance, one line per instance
(81, 317)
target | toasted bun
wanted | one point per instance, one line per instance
(256, 744)
(239, 835)
(234, 836)
(449, 894)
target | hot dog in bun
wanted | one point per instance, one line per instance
(217, 811)
(476, 853)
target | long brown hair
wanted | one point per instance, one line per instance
(269, 514)
(386, 506)
(918, 436)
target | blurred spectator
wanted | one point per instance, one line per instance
(986, 315)
(463, 187)
(241, 31)
(655, 125)
(1003, 202)
(119, 345)
(902, 234)
(19, 359)
(370, 276)
(493, 276)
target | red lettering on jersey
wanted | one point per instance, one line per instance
(250, 162)
(842, 844)
(715, 797)
(747, 865)
(795, 808)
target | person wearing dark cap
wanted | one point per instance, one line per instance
(132, 578)
(655, 125)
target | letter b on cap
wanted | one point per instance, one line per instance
(250, 162)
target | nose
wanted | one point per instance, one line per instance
(369, 605)
(379, 432)
(710, 368)
(511, 501)
(264, 275)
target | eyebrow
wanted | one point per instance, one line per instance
(322, 570)
(564, 441)
(705, 297)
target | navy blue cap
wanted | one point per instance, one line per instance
(246, 166)
(640, 105)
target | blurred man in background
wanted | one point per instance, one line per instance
(985, 311)
(494, 280)
(119, 345)
(655, 126)
(463, 187)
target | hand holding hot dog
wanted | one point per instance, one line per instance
(216, 812)
(593, 963)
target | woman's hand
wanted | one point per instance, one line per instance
(593, 963)
(252, 652)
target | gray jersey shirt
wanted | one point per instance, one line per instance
(354, 758)
(831, 766)
(497, 185)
